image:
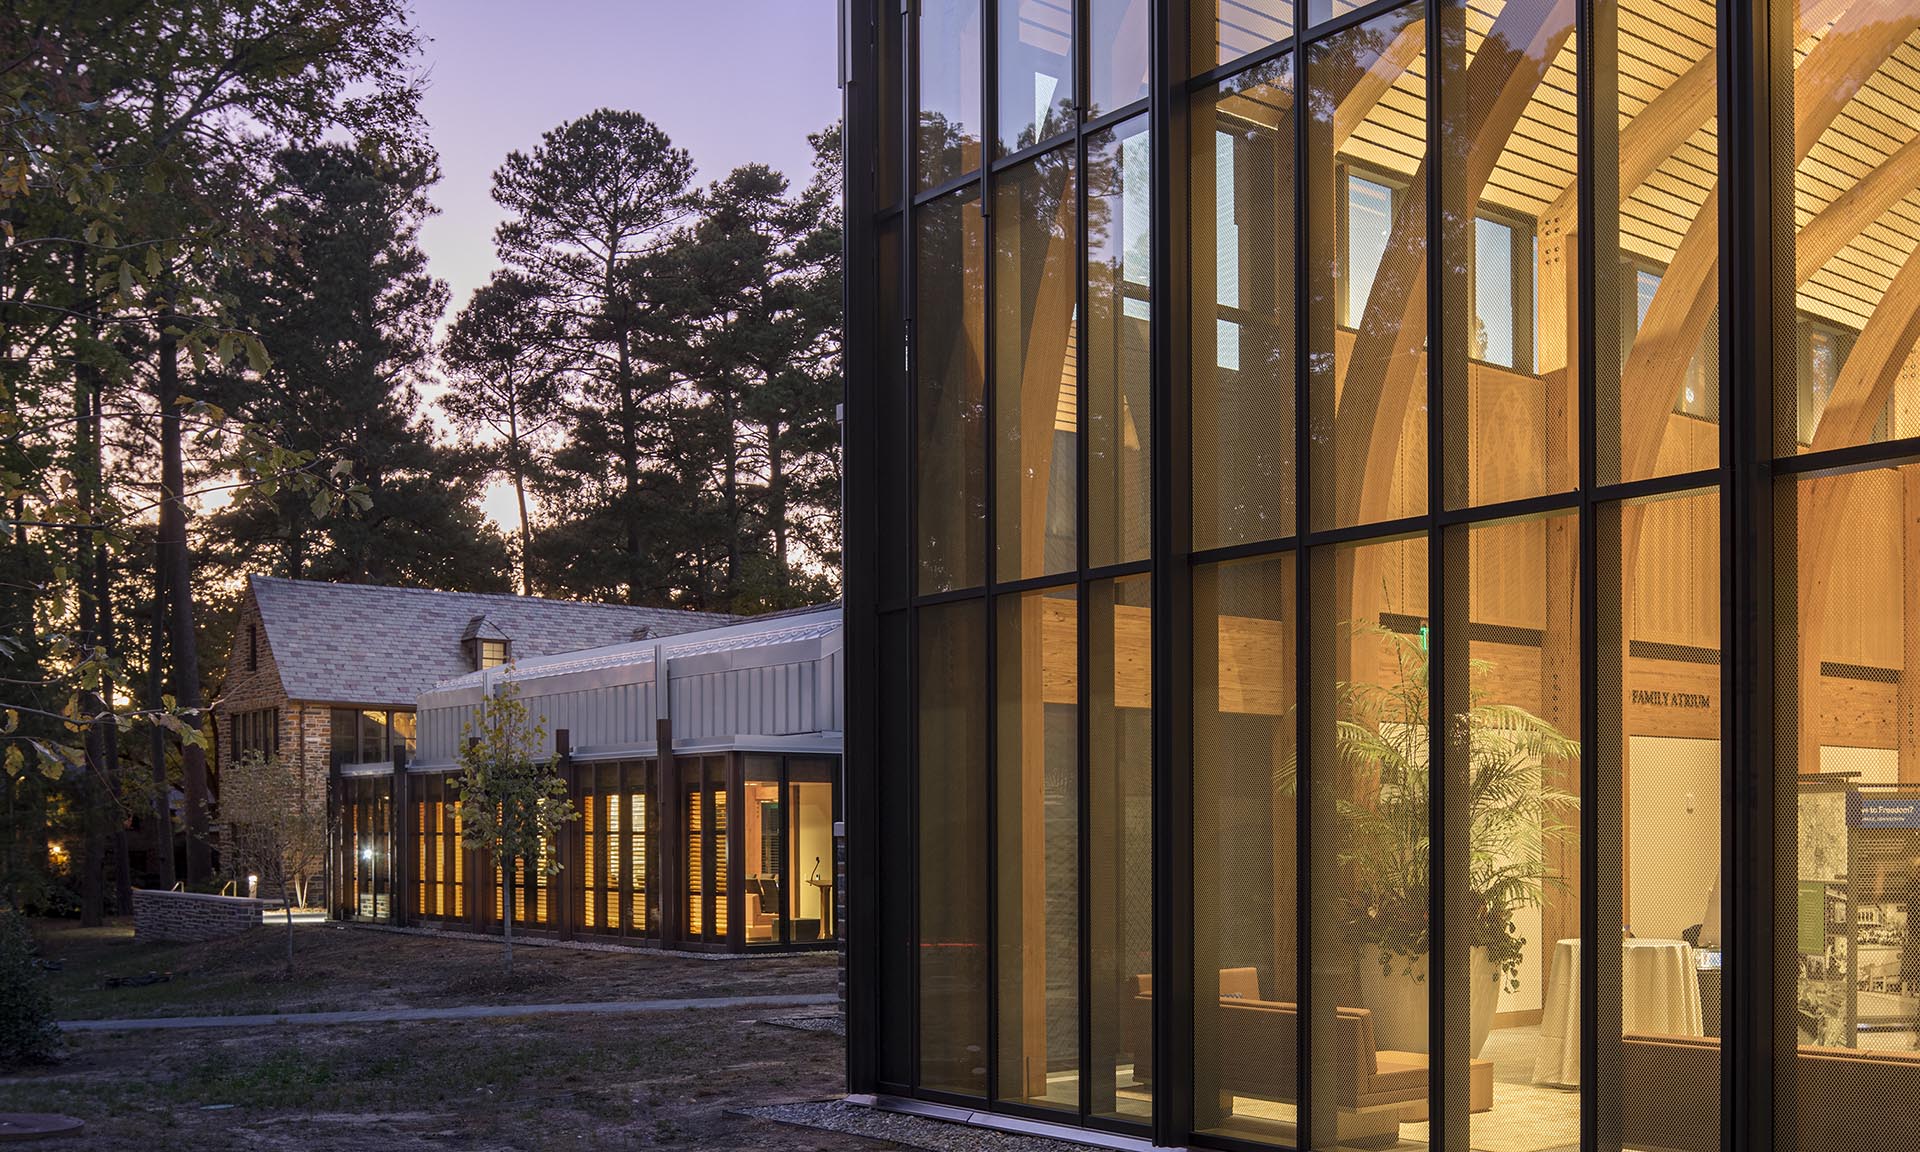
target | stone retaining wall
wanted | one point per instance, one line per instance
(159, 915)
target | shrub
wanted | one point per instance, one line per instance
(27, 1032)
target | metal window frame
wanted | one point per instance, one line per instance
(1755, 65)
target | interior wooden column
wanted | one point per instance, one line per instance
(1867, 381)
(1560, 638)
(1049, 329)
(1285, 806)
(1106, 844)
(1907, 701)
(1031, 784)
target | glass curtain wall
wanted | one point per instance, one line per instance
(1033, 409)
(1847, 582)
(1403, 406)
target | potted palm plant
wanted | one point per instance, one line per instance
(1514, 816)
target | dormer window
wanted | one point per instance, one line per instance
(485, 644)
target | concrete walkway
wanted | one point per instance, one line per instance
(460, 1012)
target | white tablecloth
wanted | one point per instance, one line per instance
(1660, 993)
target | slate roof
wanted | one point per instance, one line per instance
(790, 626)
(373, 645)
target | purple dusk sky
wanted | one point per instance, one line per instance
(731, 81)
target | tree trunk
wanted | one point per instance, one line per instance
(85, 470)
(777, 506)
(517, 463)
(286, 900)
(730, 407)
(114, 783)
(507, 908)
(630, 470)
(177, 561)
(162, 801)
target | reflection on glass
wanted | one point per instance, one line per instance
(1037, 722)
(1119, 367)
(1246, 947)
(1369, 210)
(1658, 819)
(1510, 316)
(1658, 402)
(1117, 41)
(952, 842)
(1225, 30)
(1321, 10)
(1368, 792)
(1036, 397)
(950, 393)
(1848, 570)
(1510, 677)
(1367, 262)
(947, 132)
(1242, 332)
(1119, 838)
(1035, 66)
(890, 79)
(1855, 263)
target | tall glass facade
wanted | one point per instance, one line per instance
(1384, 550)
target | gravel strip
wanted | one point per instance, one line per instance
(455, 1012)
(904, 1130)
(571, 945)
(832, 1023)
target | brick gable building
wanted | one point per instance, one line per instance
(327, 673)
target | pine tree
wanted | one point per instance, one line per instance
(584, 208)
(506, 374)
(348, 321)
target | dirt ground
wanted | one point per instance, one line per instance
(540, 1082)
(338, 967)
(552, 1082)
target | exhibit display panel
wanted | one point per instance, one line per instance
(1414, 634)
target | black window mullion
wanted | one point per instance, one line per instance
(1448, 983)
(1759, 1034)
(1082, 515)
(1305, 778)
(990, 135)
(1170, 481)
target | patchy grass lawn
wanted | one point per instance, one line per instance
(574, 1082)
(342, 968)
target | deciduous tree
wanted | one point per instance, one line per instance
(512, 803)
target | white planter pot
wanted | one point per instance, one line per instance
(1399, 1002)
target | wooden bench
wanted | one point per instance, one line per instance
(1256, 1050)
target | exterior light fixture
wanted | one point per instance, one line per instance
(253, 885)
